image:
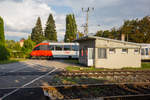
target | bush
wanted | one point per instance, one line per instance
(27, 47)
(4, 52)
(29, 44)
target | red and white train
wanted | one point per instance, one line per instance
(55, 50)
(71, 50)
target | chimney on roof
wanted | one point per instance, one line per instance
(122, 37)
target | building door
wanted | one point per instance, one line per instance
(90, 56)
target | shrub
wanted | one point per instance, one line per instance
(4, 52)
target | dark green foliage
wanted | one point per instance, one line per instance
(29, 44)
(71, 28)
(2, 36)
(37, 33)
(135, 31)
(4, 52)
(50, 30)
(27, 47)
(16, 51)
(80, 34)
(113, 34)
(10, 44)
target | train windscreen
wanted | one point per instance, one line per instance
(36, 48)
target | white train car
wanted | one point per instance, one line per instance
(145, 51)
(55, 50)
(64, 50)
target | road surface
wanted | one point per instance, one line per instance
(22, 80)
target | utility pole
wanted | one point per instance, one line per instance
(87, 17)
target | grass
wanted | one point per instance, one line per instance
(144, 66)
(74, 68)
(12, 60)
(74, 61)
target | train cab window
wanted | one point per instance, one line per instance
(43, 47)
(51, 47)
(36, 48)
(67, 47)
(58, 48)
(75, 48)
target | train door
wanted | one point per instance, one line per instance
(90, 57)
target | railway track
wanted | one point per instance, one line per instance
(99, 91)
(105, 73)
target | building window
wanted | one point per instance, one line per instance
(84, 52)
(142, 52)
(102, 53)
(124, 50)
(81, 52)
(112, 50)
(146, 49)
(136, 51)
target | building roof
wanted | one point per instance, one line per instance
(107, 39)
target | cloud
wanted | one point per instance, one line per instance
(16, 34)
(21, 15)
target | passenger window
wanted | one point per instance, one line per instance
(58, 48)
(67, 47)
(75, 48)
(51, 47)
(43, 47)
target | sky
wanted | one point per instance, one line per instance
(20, 15)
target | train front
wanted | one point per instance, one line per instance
(41, 51)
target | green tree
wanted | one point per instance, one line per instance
(50, 30)
(2, 36)
(29, 44)
(80, 34)
(144, 29)
(135, 30)
(99, 33)
(17, 47)
(71, 28)
(27, 47)
(4, 53)
(37, 33)
(10, 44)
